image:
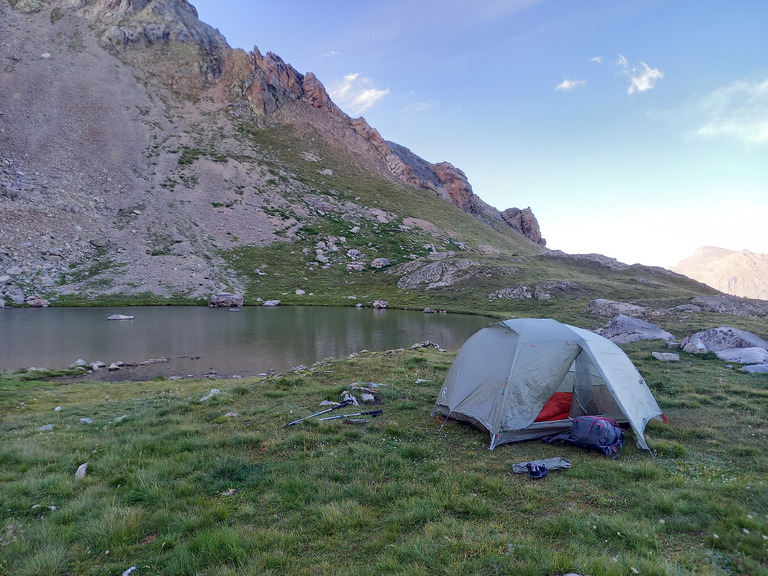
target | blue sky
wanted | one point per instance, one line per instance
(638, 129)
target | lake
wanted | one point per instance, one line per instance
(199, 341)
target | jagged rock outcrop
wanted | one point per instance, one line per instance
(524, 222)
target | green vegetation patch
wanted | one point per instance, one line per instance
(176, 485)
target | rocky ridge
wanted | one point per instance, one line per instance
(140, 166)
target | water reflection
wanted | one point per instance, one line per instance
(198, 340)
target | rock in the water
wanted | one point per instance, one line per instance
(225, 300)
(624, 329)
(271, 303)
(120, 317)
(380, 304)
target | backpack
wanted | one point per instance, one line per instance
(593, 432)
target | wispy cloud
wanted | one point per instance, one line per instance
(643, 78)
(598, 59)
(331, 53)
(622, 61)
(356, 93)
(738, 110)
(569, 85)
(417, 107)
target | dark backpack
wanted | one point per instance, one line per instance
(593, 432)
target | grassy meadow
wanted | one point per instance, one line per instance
(176, 485)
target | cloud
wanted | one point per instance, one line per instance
(569, 85)
(622, 61)
(598, 59)
(417, 107)
(738, 110)
(356, 93)
(643, 79)
(331, 53)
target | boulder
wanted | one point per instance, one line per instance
(756, 369)
(623, 329)
(271, 303)
(716, 339)
(603, 307)
(36, 301)
(225, 300)
(666, 356)
(753, 355)
(380, 263)
(380, 304)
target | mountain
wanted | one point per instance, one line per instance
(142, 159)
(739, 273)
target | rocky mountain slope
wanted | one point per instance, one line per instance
(123, 130)
(739, 273)
(142, 158)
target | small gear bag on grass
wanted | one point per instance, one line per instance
(598, 433)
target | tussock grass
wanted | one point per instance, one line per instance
(177, 487)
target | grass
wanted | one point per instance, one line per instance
(175, 486)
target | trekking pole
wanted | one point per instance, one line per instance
(373, 413)
(341, 405)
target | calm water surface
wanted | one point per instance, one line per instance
(198, 340)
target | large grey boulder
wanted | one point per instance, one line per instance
(225, 300)
(756, 369)
(623, 329)
(716, 339)
(753, 355)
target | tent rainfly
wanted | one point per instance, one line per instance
(528, 378)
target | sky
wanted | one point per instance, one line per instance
(634, 129)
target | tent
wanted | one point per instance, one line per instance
(527, 378)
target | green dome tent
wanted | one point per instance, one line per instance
(527, 378)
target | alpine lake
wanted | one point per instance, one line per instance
(189, 341)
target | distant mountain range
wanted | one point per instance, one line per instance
(739, 273)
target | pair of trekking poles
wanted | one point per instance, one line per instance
(343, 404)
